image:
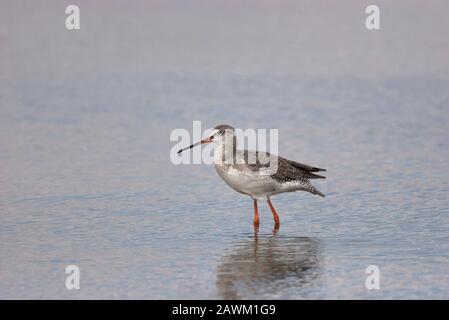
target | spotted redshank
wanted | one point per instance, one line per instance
(257, 174)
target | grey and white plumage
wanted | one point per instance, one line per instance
(260, 181)
(258, 174)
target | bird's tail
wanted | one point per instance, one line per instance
(311, 188)
(318, 192)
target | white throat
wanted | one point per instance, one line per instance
(225, 149)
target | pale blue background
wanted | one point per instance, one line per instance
(85, 176)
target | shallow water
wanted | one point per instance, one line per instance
(86, 179)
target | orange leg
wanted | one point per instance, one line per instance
(256, 215)
(277, 222)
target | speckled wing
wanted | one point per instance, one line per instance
(282, 169)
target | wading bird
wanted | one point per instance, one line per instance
(257, 174)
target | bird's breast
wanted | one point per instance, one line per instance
(246, 181)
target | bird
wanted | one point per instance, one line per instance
(257, 174)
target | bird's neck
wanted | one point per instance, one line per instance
(225, 152)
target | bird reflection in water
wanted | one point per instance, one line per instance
(268, 266)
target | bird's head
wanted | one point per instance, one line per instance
(220, 134)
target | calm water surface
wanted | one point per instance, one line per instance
(85, 171)
(86, 180)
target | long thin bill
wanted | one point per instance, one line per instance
(191, 146)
